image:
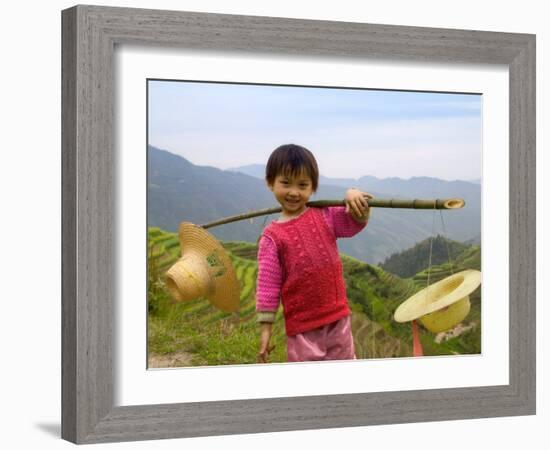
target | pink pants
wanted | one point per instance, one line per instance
(329, 342)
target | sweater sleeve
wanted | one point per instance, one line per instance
(341, 223)
(269, 281)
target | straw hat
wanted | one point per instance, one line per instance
(204, 270)
(441, 305)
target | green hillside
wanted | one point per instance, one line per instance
(411, 261)
(469, 341)
(196, 333)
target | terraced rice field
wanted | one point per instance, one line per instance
(209, 335)
(195, 333)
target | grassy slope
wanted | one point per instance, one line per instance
(211, 337)
(470, 341)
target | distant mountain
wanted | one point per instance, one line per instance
(424, 187)
(476, 240)
(254, 170)
(258, 171)
(393, 185)
(181, 191)
(417, 187)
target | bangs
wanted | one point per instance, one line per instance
(295, 172)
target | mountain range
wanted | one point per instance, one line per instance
(180, 191)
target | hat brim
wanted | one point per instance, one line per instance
(225, 290)
(438, 295)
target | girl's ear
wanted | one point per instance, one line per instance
(269, 185)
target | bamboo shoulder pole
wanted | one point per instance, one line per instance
(451, 203)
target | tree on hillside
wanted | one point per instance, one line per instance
(409, 262)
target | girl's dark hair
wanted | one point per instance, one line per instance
(292, 159)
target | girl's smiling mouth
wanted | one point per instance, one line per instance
(293, 202)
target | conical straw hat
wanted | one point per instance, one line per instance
(204, 270)
(441, 305)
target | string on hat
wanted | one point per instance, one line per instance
(417, 346)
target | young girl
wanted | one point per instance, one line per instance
(299, 264)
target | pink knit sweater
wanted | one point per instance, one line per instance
(271, 276)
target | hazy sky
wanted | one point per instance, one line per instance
(351, 132)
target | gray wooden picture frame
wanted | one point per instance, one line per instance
(89, 36)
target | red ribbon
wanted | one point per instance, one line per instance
(417, 345)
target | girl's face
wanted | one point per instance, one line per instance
(292, 192)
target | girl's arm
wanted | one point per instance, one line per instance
(343, 221)
(265, 336)
(357, 204)
(268, 289)
(269, 281)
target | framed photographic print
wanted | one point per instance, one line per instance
(217, 134)
(150, 95)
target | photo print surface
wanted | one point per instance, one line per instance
(409, 278)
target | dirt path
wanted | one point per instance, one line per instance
(177, 359)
